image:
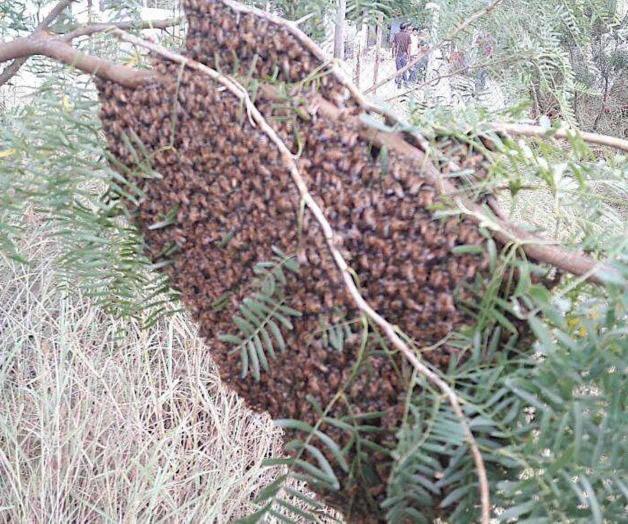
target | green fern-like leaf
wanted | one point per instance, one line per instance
(262, 317)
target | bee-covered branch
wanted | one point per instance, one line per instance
(332, 241)
(538, 248)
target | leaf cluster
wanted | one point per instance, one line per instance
(263, 314)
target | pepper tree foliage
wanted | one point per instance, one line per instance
(548, 414)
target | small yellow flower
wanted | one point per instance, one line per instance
(66, 104)
(7, 152)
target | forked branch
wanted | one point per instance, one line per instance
(58, 47)
(332, 242)
(12, 69)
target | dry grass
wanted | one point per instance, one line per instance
(102, 421)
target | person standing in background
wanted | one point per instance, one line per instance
(401, 51)
(418, 48)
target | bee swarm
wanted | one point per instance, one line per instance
(235, 200)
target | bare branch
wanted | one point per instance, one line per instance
(89, 30)
(44, 44)
(332, 243)
(460, 27)
(541, 132)
(11, 70)
(54, 13)
(106, 71)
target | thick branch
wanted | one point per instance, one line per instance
(541, 132)
(123, 75)
(21, 48)
(56, 48)
(332, 243)
(460, 27)
(11, 70)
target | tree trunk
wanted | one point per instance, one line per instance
(362, 39)
(378, 48)
(365, 37)
(339, 36)
(358, 58)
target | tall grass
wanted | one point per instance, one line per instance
(103, 422)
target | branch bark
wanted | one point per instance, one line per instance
(12, 69)
(460, 27)
(56, 46)
(44, 44)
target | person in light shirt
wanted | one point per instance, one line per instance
(418, 47)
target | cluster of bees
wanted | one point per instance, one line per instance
(232, 200)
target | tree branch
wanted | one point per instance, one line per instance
(54, 13)
(55, 48)
(540, 249)
(11, 70)
(460, 27)
(541, 132)
(89, 30)
(332, 242)
(44, 44)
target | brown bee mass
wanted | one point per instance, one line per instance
(232, 200)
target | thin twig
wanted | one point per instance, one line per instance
(88, 30)
(332, 243)
(450, 36)
(542, 132)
